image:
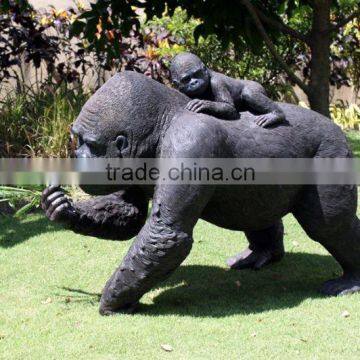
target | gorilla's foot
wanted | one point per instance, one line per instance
(346, 284)
(127, 309)
(254, 259)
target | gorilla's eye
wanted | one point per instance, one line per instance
(185, 79)
(95, 147)
(121, 142)
(80, 140)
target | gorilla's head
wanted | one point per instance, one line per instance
(126, 117)
(189, 74)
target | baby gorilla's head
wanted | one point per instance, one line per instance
(189, 74)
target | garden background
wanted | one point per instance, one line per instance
(51, 60)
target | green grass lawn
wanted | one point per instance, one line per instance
(51, 280)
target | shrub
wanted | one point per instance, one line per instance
(237, 62)
(345, 115)
(36, 116)
(21, 199)
(39, 125)
(42, 40)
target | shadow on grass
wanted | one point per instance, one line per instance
(14, 231)
(211, 291)
(71, 296)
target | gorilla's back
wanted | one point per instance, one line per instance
(305, 134)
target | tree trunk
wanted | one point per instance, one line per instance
(319, 87)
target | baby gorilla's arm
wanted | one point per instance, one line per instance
(223, 107)
(221, 110)
(117, 216)
(254, 96)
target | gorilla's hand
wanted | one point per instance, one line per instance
(117, 216)
(57, 205)
(199, 106)
(221, 110)
(269, 119)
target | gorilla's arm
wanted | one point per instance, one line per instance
(118, 216)
(161, 246)
(254, 96)
(222, 107)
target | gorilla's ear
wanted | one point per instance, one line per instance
(121, 142)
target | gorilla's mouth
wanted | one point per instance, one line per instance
(196, 90)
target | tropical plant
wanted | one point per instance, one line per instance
(21, 199)
(307, 27)
(39, 125)
(347, 116)
(41, 40)
(239, 63)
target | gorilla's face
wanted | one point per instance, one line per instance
(189, 74)
(125, 118)
(96, 136)
(89, 146)
(122, 118)
(191, 79)
(101, 129)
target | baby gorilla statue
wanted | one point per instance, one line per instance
(219, 95)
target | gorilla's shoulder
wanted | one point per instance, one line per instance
(194, 135)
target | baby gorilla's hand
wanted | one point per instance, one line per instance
(198, 106)
(56, 205)
(268, 119)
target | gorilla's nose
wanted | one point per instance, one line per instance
(83, 152)
(80, 154)
(194, 82)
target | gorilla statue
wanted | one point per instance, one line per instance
(136, 117)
